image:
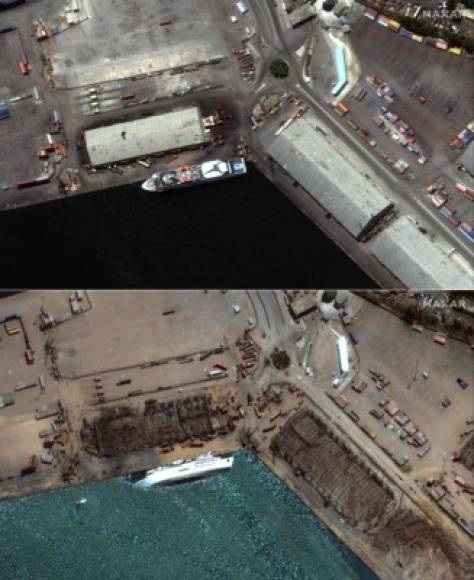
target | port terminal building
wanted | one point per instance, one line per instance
(332, 179)
(152, 135)
(415, 260)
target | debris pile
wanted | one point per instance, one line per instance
(249, 352)
(423, 550)
(466, 456)
(333, 470)
(123, 429)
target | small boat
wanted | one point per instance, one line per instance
(81, 501)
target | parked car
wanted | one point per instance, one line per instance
(446, 402)
(462, 383)
(422, 99)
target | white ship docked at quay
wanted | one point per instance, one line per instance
(180, 470)
(186, 175)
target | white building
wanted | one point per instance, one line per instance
(171, 131)
(342, 356)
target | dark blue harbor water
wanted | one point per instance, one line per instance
(237, 233)
(243, 525)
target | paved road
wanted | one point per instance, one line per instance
(269, 22)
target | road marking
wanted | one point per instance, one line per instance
(443, 226)
(348, 134)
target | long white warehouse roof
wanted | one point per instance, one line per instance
(328, 175)
(342, 355)
(177, 129)
(415, 260)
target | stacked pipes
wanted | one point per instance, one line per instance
(249, 355)
(246, 63)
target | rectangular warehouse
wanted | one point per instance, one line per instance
(332, 179)
(179, 129)
(415, 260)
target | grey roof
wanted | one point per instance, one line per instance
(415, 260)
(301, 14)
(177, 129)
(328, 175)
(467, 158)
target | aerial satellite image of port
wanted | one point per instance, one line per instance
(268, 373)
(237, 434)
(360, 114)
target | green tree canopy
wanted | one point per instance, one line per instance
(279, 69)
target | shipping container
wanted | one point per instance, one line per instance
(394, 25)
(467, 191)
(405, 33)
(219, 366)
(465, 136)
(445, 211)
(438, 200)
(216, 374)
(341, 109)
(454, 220)
(370, 14)
(242, 6)
(30, 356)
(467, 231)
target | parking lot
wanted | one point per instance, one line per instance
(393, 349)
(415, 70)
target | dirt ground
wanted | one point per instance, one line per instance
(411, 354)
(97, 341)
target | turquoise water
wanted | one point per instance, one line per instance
(243, 524)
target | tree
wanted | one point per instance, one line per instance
(329, 296)
(328, 5)
(279, 69)
(280, 359)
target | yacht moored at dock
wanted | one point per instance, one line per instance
(181, 470)
(186, 175)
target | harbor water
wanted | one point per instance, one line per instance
(242, 524)
(240, 232)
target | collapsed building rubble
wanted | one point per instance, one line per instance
(124, 429)
(337, 474)
(466, 457)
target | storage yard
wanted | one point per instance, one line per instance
(98, 95)
(124, 381)
(425, 89)
(148, 63)
(367, 210)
